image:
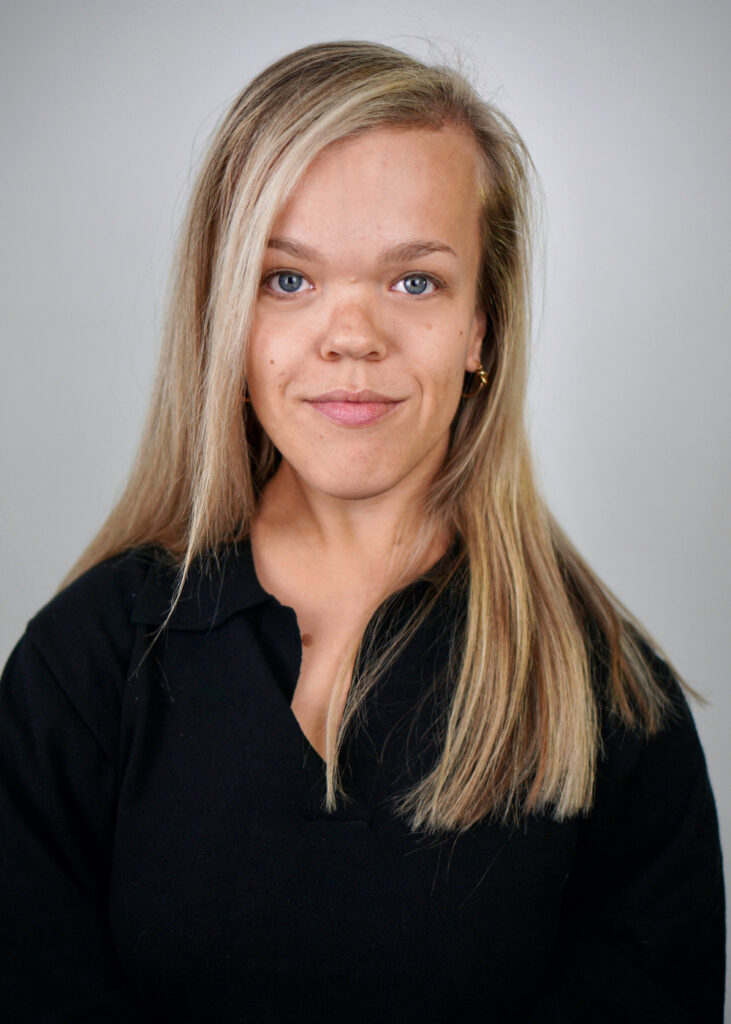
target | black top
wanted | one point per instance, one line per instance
(165, 856)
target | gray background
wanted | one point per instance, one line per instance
(106, 107)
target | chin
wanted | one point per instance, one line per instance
(357, 491)
(352, 486)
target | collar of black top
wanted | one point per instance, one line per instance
(215, 591)
(211, 594)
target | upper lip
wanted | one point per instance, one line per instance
(340, 395)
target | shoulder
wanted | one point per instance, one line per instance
(641, 696)
(108, 588)
(653, 797)
(648, 865)
(625, 744)
(66, 675)
(95, 611)
(102, 624)
(78, 651)
(626, 749)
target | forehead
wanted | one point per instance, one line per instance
(387, 185)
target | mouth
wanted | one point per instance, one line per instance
(354, 408)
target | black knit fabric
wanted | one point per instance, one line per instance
(165, 856)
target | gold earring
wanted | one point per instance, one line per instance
(483, 381)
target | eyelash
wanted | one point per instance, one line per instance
(437, 283)
(277, 273)
(430, 278)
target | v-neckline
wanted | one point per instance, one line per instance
(361, 792)
(309, 761)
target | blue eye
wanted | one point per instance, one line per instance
(287, 281)
(416, 284)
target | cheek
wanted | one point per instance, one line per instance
(267, 368)
(444, 368)
(441, 395)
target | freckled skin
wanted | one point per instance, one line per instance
(353, 325)
(381, 296)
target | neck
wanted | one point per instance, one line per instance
(383, 540)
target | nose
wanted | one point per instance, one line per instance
(352, 331)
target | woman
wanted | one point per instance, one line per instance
(331, 722)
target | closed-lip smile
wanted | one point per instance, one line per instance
(364, 395)
(353, 408)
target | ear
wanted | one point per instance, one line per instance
(478, 331)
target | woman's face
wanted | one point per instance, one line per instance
(367, 315)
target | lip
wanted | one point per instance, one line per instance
(362, 395)
(354, 408)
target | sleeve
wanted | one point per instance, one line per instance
(57, 799)
(642, 933)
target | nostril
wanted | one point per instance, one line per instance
(360, 345)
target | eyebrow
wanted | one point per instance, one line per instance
(396, 254)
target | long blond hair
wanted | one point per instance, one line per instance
(521, 729)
